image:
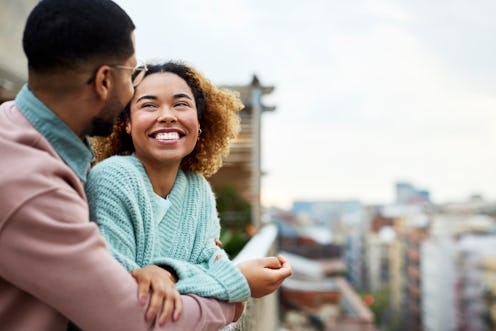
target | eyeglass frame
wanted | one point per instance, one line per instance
(137, 74)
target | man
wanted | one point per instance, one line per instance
(54, 265)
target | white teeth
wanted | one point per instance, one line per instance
(167, 136)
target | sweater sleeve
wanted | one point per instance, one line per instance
(210, 273)
(109, 205)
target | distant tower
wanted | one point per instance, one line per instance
(405, 193)
(409, 194)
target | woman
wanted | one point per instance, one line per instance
(153, 203)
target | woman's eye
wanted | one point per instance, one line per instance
(182, 104)
(149, 105)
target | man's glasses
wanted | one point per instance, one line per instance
(137, 73)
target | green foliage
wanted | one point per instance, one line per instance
(235, 216)
(381, 302)
(233, 241)
(380, 307)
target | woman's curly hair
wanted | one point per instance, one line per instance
(217, 114)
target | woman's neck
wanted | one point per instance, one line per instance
(162, 176)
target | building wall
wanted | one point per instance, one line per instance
(377, 262)
(477, 281)
(411, 309)
(488, 268)
(438, 286)
(13, 64)
(242, 168)
(396, 254)
(354, 259)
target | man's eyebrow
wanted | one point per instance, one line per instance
(147, 97)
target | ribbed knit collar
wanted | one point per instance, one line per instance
(174, 202)
(76, 153)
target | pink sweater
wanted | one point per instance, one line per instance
(54, 265)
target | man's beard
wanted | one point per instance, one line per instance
(101, 127)
(103, 124)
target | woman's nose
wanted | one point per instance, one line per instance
(166, 115)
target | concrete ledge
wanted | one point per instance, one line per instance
(263, 313)
(259, 246)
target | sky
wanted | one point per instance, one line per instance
(367, 93)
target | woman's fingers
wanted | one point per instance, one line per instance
(178, 307)
(143, 290)
(168, 306)
(169, 302)
(157, 284)
(156, 301)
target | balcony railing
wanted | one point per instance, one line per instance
(262, 313)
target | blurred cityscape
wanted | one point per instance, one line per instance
(414, 264)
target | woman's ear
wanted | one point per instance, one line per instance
(128, 126)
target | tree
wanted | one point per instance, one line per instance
(235, 218)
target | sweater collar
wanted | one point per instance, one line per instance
(161, 206)
(75, 152)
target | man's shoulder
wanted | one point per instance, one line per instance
(26, 154)
(15, 127)
(30, 166)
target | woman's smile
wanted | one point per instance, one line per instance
(167, 135)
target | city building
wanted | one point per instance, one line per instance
(242, 167)
(354, 255)
(13, 64)
(406, 194)
(411, 303)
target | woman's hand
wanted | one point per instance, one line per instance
(265, 275)
(218, 243)
(163, 297)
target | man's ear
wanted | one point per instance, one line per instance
(103, 81)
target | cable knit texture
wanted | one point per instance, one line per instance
(140, 230)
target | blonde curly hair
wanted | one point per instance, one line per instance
(217, 114)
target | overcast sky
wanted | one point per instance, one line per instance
(367, 92)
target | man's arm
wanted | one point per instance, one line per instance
(49, 249)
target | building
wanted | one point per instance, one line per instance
(13, 64)
(354, 255)
(455, 284)
(411, 303)
(488, 268)
(438, 286)
(476, 282)
(242, 168)
(406, 194)
(316, 298)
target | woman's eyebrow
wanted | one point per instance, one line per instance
(147, 97)
(182, 95)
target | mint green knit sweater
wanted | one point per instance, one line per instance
(140, 230)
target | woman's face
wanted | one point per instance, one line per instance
(164, 124)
